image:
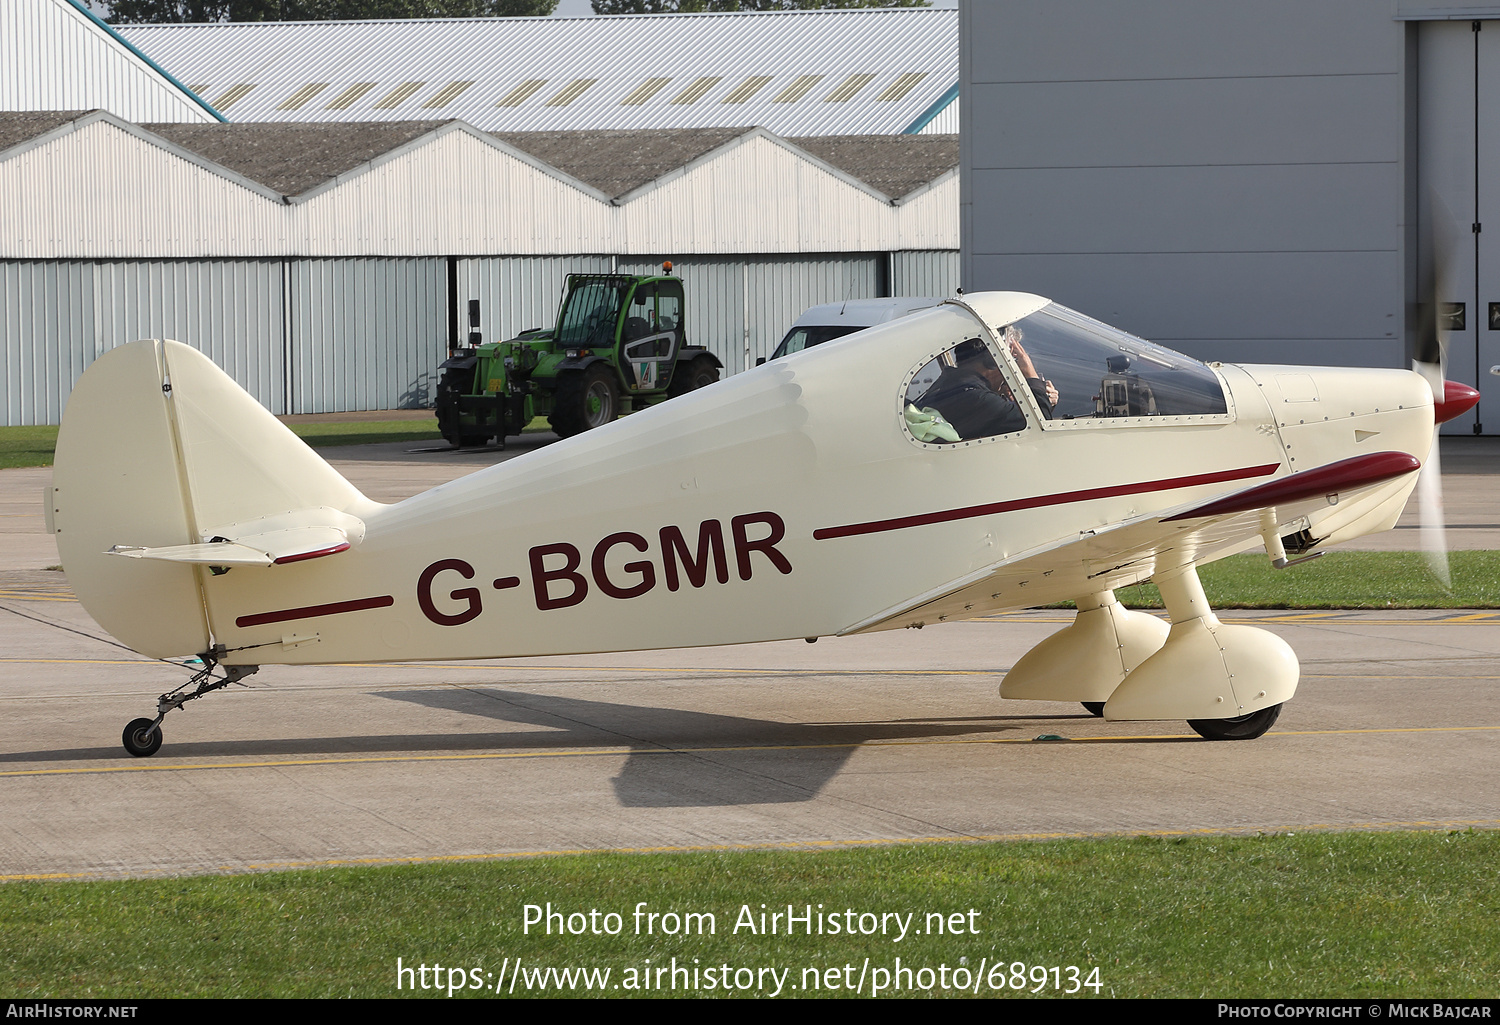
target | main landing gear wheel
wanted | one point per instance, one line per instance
(1244, 727)
(142, 737)
(1093, 707)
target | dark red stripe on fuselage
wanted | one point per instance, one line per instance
(1041, 501)
(311, 611)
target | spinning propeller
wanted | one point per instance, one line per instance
(1449, 398)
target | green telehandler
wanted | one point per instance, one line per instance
(617, 347)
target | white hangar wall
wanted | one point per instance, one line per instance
(59, 56)
(346, 297)
(334, 334)
(302, 336)
(451, 192)
(1226, 177)
(102, 188)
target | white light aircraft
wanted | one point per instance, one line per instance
(995, 452)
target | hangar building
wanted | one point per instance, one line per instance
(324, 262)
(324, 265)
(1245, 180)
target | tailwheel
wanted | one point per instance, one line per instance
(1243, 727)
(142, 737)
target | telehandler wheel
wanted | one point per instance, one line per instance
(1242, 727)
(585, 401)
(142, 737)
(700, 372)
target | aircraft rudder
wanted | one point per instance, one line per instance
(116, 479)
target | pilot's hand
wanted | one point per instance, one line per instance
(1028, 370)
(1051, 393)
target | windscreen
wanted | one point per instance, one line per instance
(592, 310)
(1090, 370)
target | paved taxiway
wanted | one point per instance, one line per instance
(891, 737)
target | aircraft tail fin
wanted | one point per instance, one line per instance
(160, 454)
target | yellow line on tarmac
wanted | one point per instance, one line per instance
(873, 842)
(1285, 617)
(741, 670)
(803, 845)
(685, 670)
(614, 752)
(83, 661)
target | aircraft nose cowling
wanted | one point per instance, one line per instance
(1457, 400)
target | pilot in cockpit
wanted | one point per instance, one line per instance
(972, 395)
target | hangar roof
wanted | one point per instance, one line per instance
(615, 162)
(828, 72)
(896, 165)
(293, 158)
(17, 127)
(414, 189)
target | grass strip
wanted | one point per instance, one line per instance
(27, 446)
(1396, 914)
(1340, 580)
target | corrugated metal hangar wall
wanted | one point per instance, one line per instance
(1245, 180)
(314, 336)
(300, 335)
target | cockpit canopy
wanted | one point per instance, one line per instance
(1071, 368)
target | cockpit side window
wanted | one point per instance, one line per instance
(961, 395)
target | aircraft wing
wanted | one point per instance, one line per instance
(1127, 552)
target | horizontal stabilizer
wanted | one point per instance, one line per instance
(273, 548)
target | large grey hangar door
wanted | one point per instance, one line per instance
(1458, 184)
